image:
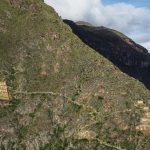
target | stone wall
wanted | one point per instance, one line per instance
(3, 91)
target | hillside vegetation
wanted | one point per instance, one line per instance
(64, 95)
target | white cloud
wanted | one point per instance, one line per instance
(131, 20)
(147, 45)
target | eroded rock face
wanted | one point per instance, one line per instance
(130, 57)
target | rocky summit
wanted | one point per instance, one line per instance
(64, 95)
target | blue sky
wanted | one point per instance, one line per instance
(132, 17)
(138, 3)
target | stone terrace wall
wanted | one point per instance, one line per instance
(3, 92)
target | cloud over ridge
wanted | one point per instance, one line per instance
(131, 20)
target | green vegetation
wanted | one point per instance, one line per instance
(13, 105)
(119, 34)
(22, 132)
(84, 23)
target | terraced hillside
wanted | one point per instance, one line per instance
(63, 94)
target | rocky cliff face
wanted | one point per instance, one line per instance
(63, 94)
(130, 57)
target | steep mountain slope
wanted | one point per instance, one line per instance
(64, 95)
(130, 57)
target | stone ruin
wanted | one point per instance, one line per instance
(4, 96)
(144, 124)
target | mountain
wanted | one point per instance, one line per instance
(83, 23)
(63, 95)
(122, 51)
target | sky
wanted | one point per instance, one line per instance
(138, 3)
(132, 17)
